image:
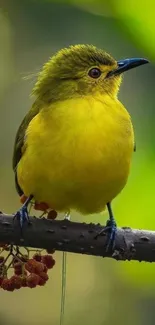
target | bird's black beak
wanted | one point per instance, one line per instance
(127, 64)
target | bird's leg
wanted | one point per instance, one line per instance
(111, 228)
(22, 213)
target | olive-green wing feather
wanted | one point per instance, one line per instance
(19, 141)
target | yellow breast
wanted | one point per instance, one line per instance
(78, 154)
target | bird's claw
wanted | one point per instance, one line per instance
(111, 228)
(22, 216)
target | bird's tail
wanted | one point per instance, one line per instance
(63, 279)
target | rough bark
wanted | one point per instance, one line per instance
(75, 237)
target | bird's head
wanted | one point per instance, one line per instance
(81, 70)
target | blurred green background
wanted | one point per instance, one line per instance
(99, 291)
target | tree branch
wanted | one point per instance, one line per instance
(64, 235)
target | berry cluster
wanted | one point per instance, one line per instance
(27, 271)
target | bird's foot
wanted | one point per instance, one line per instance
(110, 228)
(22, 214)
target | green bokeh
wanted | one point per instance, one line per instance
(137, 19)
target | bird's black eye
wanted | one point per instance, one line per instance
(94, 73)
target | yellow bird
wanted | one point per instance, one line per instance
(74, 147)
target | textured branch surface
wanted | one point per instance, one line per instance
(64, 235)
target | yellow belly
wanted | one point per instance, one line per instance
(77, 154)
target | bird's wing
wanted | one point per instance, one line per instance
(19, 147)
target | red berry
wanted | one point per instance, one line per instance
(18, 271)
(52, 214)
(7, 285)
(32, 280)
(45, 269)
(1, 259)
(16, 281)
(48, 260)
(44, 276)
(10, 286)
(42, 206)
(4, 284)
(30, 265)
(41, 282)
(39, 268)
(34, 267)
(37, 257)
(17, 265)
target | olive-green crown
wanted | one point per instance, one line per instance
(70, 64)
